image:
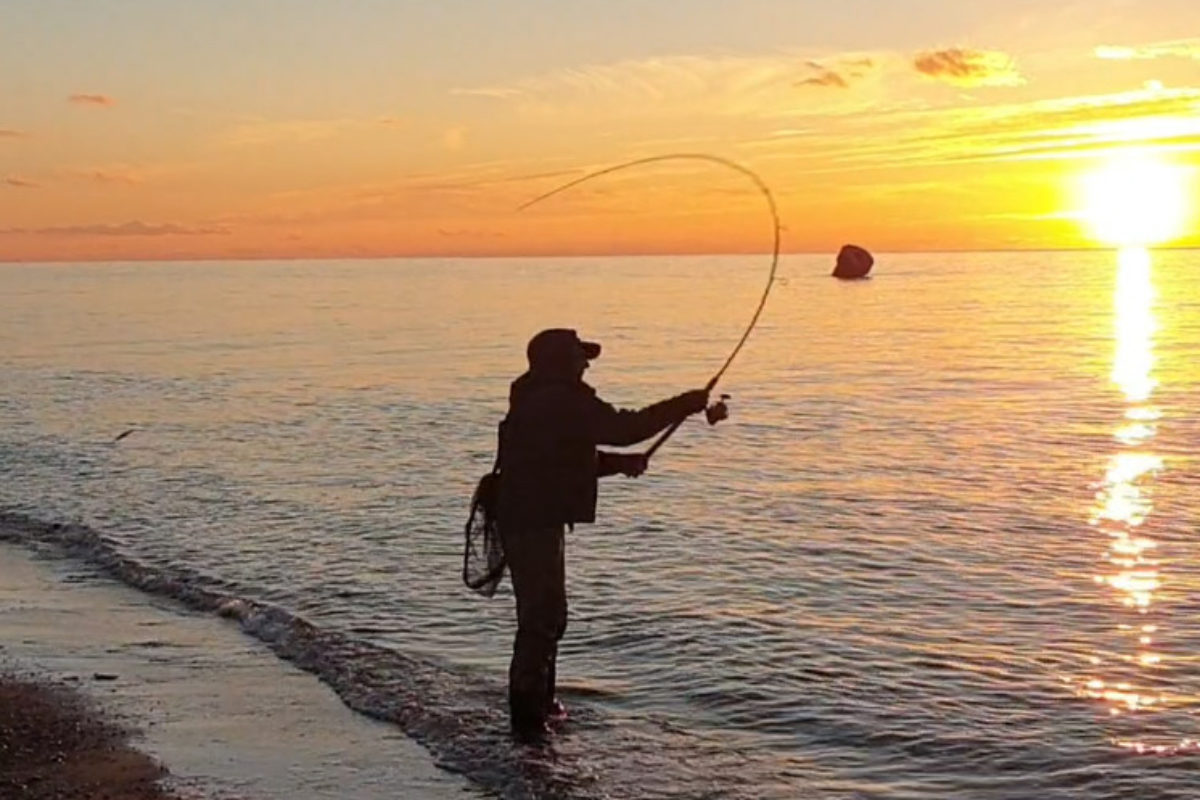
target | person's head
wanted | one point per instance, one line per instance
(560, 353)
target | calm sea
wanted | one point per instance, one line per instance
(945, 548)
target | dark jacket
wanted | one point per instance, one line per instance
(549, 464)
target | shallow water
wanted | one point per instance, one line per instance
(943, 549)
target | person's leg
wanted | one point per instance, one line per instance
(555, 708)
(535, 564)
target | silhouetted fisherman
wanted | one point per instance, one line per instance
(549, 466)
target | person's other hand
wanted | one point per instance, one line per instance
(633, 464)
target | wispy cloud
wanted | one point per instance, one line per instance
(111, 176)
(1180, 48)
(496, 92)
(964, 67)
(12, 133)
(262, 132)
(20, 183)
(134, 228)
(1070, 125)
(675, 85)
(826, 77)
(839, 75)
(82, 99)
(121, 176)
(1058, 129)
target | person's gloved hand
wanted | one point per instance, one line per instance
(717, 411)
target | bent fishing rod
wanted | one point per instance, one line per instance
(775, 230)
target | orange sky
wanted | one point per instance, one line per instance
(267, 130)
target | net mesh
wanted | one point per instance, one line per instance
(483, 552)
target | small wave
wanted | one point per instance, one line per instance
(459, 717)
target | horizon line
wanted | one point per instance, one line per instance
(496, 256)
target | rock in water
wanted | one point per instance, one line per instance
(853, 262)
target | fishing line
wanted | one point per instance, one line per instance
(762, 303)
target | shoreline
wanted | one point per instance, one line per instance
(223, 713)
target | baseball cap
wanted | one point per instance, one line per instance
(556, 345)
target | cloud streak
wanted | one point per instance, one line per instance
(454, 233)
(1043, 130)
(1180, 48)
(12, 133)
(20, 183)
(964, 67)
(133, 228)
(102, 100)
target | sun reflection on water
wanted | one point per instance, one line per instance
(1134, 301)
(1132, 569)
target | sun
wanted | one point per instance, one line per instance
(1134, 198)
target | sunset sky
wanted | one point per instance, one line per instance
(153, 129)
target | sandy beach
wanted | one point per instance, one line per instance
(55, 744)
(85, 659)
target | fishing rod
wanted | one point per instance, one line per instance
(775, 228)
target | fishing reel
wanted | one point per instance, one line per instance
(717, 411)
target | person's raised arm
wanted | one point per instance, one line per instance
(619, 427)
